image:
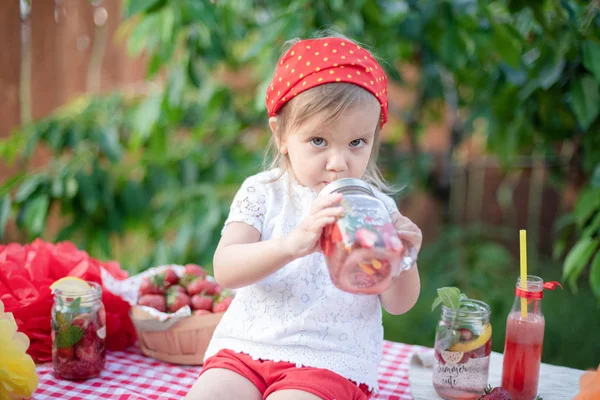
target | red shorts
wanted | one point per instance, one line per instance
(270, 376)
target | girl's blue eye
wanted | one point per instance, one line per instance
(357, 143)
(317, 141)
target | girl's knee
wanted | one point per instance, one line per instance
(220, 383)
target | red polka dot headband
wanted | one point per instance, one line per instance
(315, 62)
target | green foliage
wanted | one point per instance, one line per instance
(173, 191)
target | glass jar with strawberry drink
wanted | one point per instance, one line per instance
(78, 329)
(362, 248)
(462, 349)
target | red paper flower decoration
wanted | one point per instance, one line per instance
(26, 273)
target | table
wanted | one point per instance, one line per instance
(129, 375)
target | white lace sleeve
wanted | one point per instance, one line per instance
(249, 204)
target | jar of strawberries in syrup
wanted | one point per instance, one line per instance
(362, 248)
(78, 329)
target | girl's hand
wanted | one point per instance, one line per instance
(407, 230)
(304, 239)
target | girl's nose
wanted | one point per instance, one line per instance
(336, 162)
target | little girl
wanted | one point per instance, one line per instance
(290, 334)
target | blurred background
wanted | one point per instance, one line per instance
(127, 127)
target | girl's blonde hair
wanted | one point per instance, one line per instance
(335, 98)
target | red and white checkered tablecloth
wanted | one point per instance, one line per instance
(130, 375)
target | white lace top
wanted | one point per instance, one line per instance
(296, 314)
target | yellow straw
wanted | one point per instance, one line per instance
(523, 236)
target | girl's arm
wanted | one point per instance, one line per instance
(402, 295)
(242, 258)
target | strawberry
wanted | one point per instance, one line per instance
(86, 353)
(194, 269)
(81, 321)
(327, 246)
(200, 302)
(153, 300)
(202, 312)
(66, 353)
(89, 335)
(175, 288)
(200, 285)
(366, 238)
(336, 234)
(497, 393)
(217, 290)
(170, 277)
(152, 285)
(221, 304)
(465, 334)
(176, 300)
(186, 279)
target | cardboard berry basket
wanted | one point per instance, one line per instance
(179, 337)
(178, 341)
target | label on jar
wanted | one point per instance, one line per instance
(458, 370)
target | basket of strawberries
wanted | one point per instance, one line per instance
(177, 311)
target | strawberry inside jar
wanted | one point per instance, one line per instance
(362, 249)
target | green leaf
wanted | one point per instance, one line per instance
(446, 337)
(146, 115)
(507, 45)
(34, 215)
(137, 6)
(9, 183)
(28, 187)
(88, 192)
(551, 72)
(585, 100)
(436, 303)
(593, 228)
(595, 179)
(108, 141)
(75, 306)
(578, 258)
(71, 187)
(450, 297)
(591, 57)
(57, 187)
(595, 275)
(4, 213)
(586, 206)
(68, 336)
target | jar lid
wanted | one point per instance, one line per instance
(346, 183)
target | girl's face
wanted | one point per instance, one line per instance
(338, 150)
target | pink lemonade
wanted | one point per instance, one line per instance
(522, 355)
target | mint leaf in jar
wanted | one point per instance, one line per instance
(68, 336)
(72, 310)
(447, 337)
(451, 297)
(75, 306)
